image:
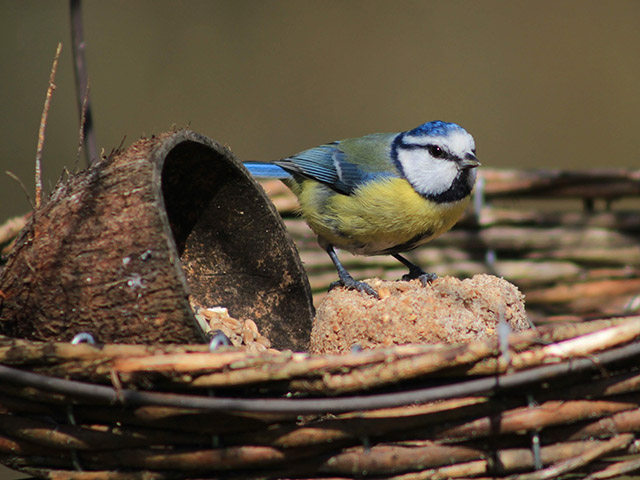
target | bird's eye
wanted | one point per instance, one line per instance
(436, 151)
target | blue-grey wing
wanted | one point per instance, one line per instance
(339, 170)
(316, 163)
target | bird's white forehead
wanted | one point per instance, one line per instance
(456, 141)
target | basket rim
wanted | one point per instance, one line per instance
(576, 352)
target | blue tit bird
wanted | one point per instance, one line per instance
(381, 194)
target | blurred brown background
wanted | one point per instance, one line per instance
(550, 84)
(539, 84)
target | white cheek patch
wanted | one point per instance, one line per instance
(427, 175)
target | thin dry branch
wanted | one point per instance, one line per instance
(571, 464)
(43, 125)
(81, 132)
(525, 418)
(54, 474)
(22, 186)
(616, 470)
(569, 456)
(386, 459)
(564, 349)
(627, 421)
(67, 437)
(198, 460)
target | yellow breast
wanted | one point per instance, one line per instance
(385, 216)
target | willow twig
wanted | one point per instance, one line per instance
(616, 470)
(213, 459)
(87, 438)
(563, 349)
(43, 124)
(627, 421)
(18, 351)
(12, 446)
(554, 471)
(385, 459)
(526, 418)
(53, 474)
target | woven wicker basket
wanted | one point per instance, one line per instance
(561, 400)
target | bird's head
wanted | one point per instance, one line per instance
(437, 157)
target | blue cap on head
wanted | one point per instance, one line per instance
(436, 128)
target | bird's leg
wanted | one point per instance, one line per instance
(415, 271)
(346, 280)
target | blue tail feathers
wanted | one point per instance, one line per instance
(263, 170)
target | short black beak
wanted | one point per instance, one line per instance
(469, 161)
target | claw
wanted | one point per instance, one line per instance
(351, 284)
(424, 277)
(415, 272)
(346, 280)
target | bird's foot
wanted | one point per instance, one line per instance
(420, 274)
(351, 284)
(346, 280)
(415, 271)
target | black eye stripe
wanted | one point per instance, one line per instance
(430, 147)
(437, 151)
(413, 146)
